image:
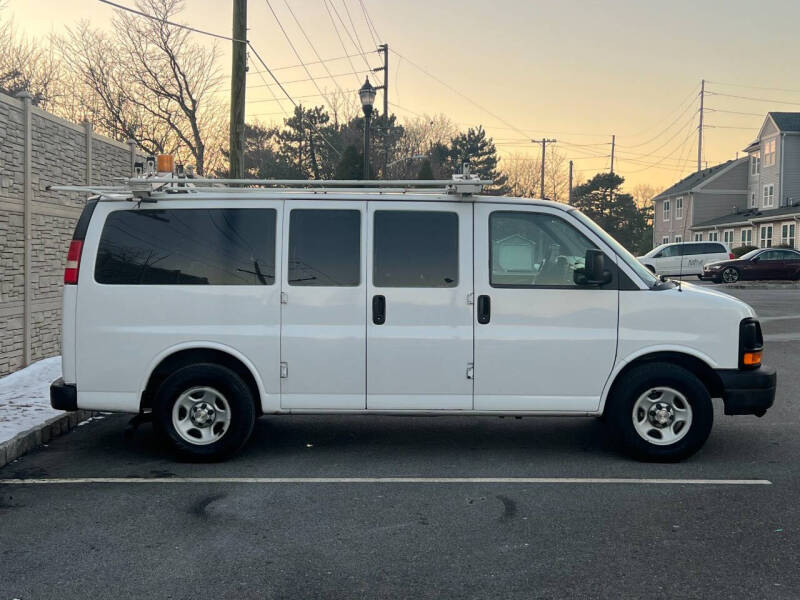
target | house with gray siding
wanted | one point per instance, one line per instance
(771, 215)
(751, 201)
(706, 194)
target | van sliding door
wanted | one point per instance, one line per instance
(419, 315)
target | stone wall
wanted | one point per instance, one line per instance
(36, 225)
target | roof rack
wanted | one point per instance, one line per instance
(144, 187)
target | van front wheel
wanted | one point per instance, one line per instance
(204, 412)
(661, 412)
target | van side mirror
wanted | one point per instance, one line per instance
(594, 272)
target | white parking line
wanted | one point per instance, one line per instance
(417, 480)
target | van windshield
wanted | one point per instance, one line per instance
(643, 272)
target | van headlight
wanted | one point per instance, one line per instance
(751, 344)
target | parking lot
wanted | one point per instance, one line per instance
(351, 507)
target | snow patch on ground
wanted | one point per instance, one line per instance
(25, 397)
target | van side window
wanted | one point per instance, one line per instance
(415, 249)
(324, 247)
(231, 246)
(670, 251)
(534, 250)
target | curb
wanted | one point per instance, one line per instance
(24, 442)
(765, 285)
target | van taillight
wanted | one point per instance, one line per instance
(73, 262)
(731, 256)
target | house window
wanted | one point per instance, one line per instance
(753, 200)
(665, 239)
(666, 210)
(769, 153)
(787, 234)
(769, 195)
(755, 163)
(679, 208)
(698, 237)
(747, 237)
(727, 236)
(678, 239)
(766, 236)
(713, 236)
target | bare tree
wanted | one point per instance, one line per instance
(420, 137)
(523, 173)
(147, 81)
(25, 65)
(643, 193)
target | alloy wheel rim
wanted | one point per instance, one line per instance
(662, 416)
(730, 275)
(201, 415)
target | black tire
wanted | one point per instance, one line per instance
(235, 392)
(700, 277)
(635, 384)
(732, 276)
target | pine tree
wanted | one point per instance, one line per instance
(479, 151)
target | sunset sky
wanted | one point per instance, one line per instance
(575, 71)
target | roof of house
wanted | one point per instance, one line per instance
(786, 121)
(744, 216)
(696, 179)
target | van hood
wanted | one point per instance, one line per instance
(698, 293)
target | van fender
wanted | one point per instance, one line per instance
(623, 362)
(268, 402)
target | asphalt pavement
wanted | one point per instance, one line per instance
(260, 526)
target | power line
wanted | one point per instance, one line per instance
(370, 24)
(663, 131)
(296, 53)
(305, 79)
(681, 104)
(455, 91)
(735, 112)
(355, 45)
(174, 24)
(316, 62)
(341, 41)
(313, 49)
(754, 99)
(350, 18)
(656, 164)
(323, 95)
(755, 87)
(283, 89)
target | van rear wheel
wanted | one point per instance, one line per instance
(204, 412)
(661, 412)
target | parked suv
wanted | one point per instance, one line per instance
(206, 307)
(684, 258)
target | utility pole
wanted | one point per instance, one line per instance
(613, 145)
(384, 49)
(569, 197)
(238, 85)
(700, 127)
(543, 142)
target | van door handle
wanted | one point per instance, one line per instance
(379, 310)
(484, 309)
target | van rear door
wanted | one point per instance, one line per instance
(323, 345)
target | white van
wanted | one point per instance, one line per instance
(684, 258)
(205, 307)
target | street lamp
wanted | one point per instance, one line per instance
(367, 95)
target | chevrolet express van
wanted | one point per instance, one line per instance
(206, 307)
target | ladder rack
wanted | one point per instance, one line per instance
(144, 187)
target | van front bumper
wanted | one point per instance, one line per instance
(748, 392)
(63, 396)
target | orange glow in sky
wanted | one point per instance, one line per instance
(577, 71)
